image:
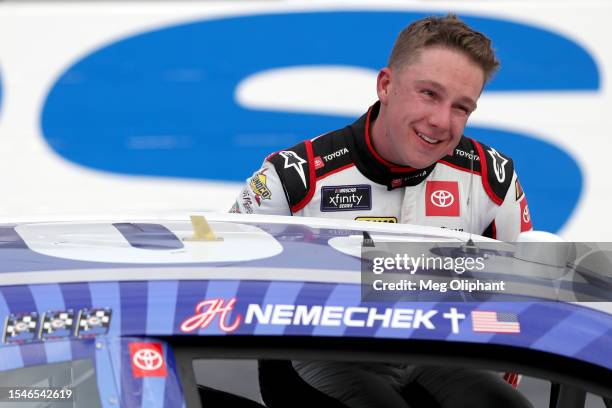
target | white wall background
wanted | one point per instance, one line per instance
(39, 41)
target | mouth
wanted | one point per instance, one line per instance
(426, 138)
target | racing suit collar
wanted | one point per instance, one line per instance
(372, 165)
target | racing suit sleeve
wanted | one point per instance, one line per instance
(263, 193)
(512, 216)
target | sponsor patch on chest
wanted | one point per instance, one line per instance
(442, 199)
(346, 198)
(391, 220)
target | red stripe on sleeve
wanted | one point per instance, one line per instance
(311, 178)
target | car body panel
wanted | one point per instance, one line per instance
(308, 286)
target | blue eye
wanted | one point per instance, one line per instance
(428, 92)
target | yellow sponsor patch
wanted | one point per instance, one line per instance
(378, 219)
(258, 185)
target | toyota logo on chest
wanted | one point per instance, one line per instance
(442, 199)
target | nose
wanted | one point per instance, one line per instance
(440, 117)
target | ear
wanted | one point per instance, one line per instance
(383, 85)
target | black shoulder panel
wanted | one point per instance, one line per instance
(465, 156)
(497, 171)
(295, 169)
(331, 152)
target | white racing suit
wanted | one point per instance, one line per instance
(340, 175)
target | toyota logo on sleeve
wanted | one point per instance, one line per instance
(442, 199)
(526, 224)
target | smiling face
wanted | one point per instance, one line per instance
(425, 106)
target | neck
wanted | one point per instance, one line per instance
(379, 141)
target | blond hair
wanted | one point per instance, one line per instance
(448, 31)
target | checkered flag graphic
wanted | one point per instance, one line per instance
(93, 322)
(20, 328)
(57, 324)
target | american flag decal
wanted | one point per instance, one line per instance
(484, 321)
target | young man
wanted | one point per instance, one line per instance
(406, 160)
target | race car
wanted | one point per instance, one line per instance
(139, 312)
